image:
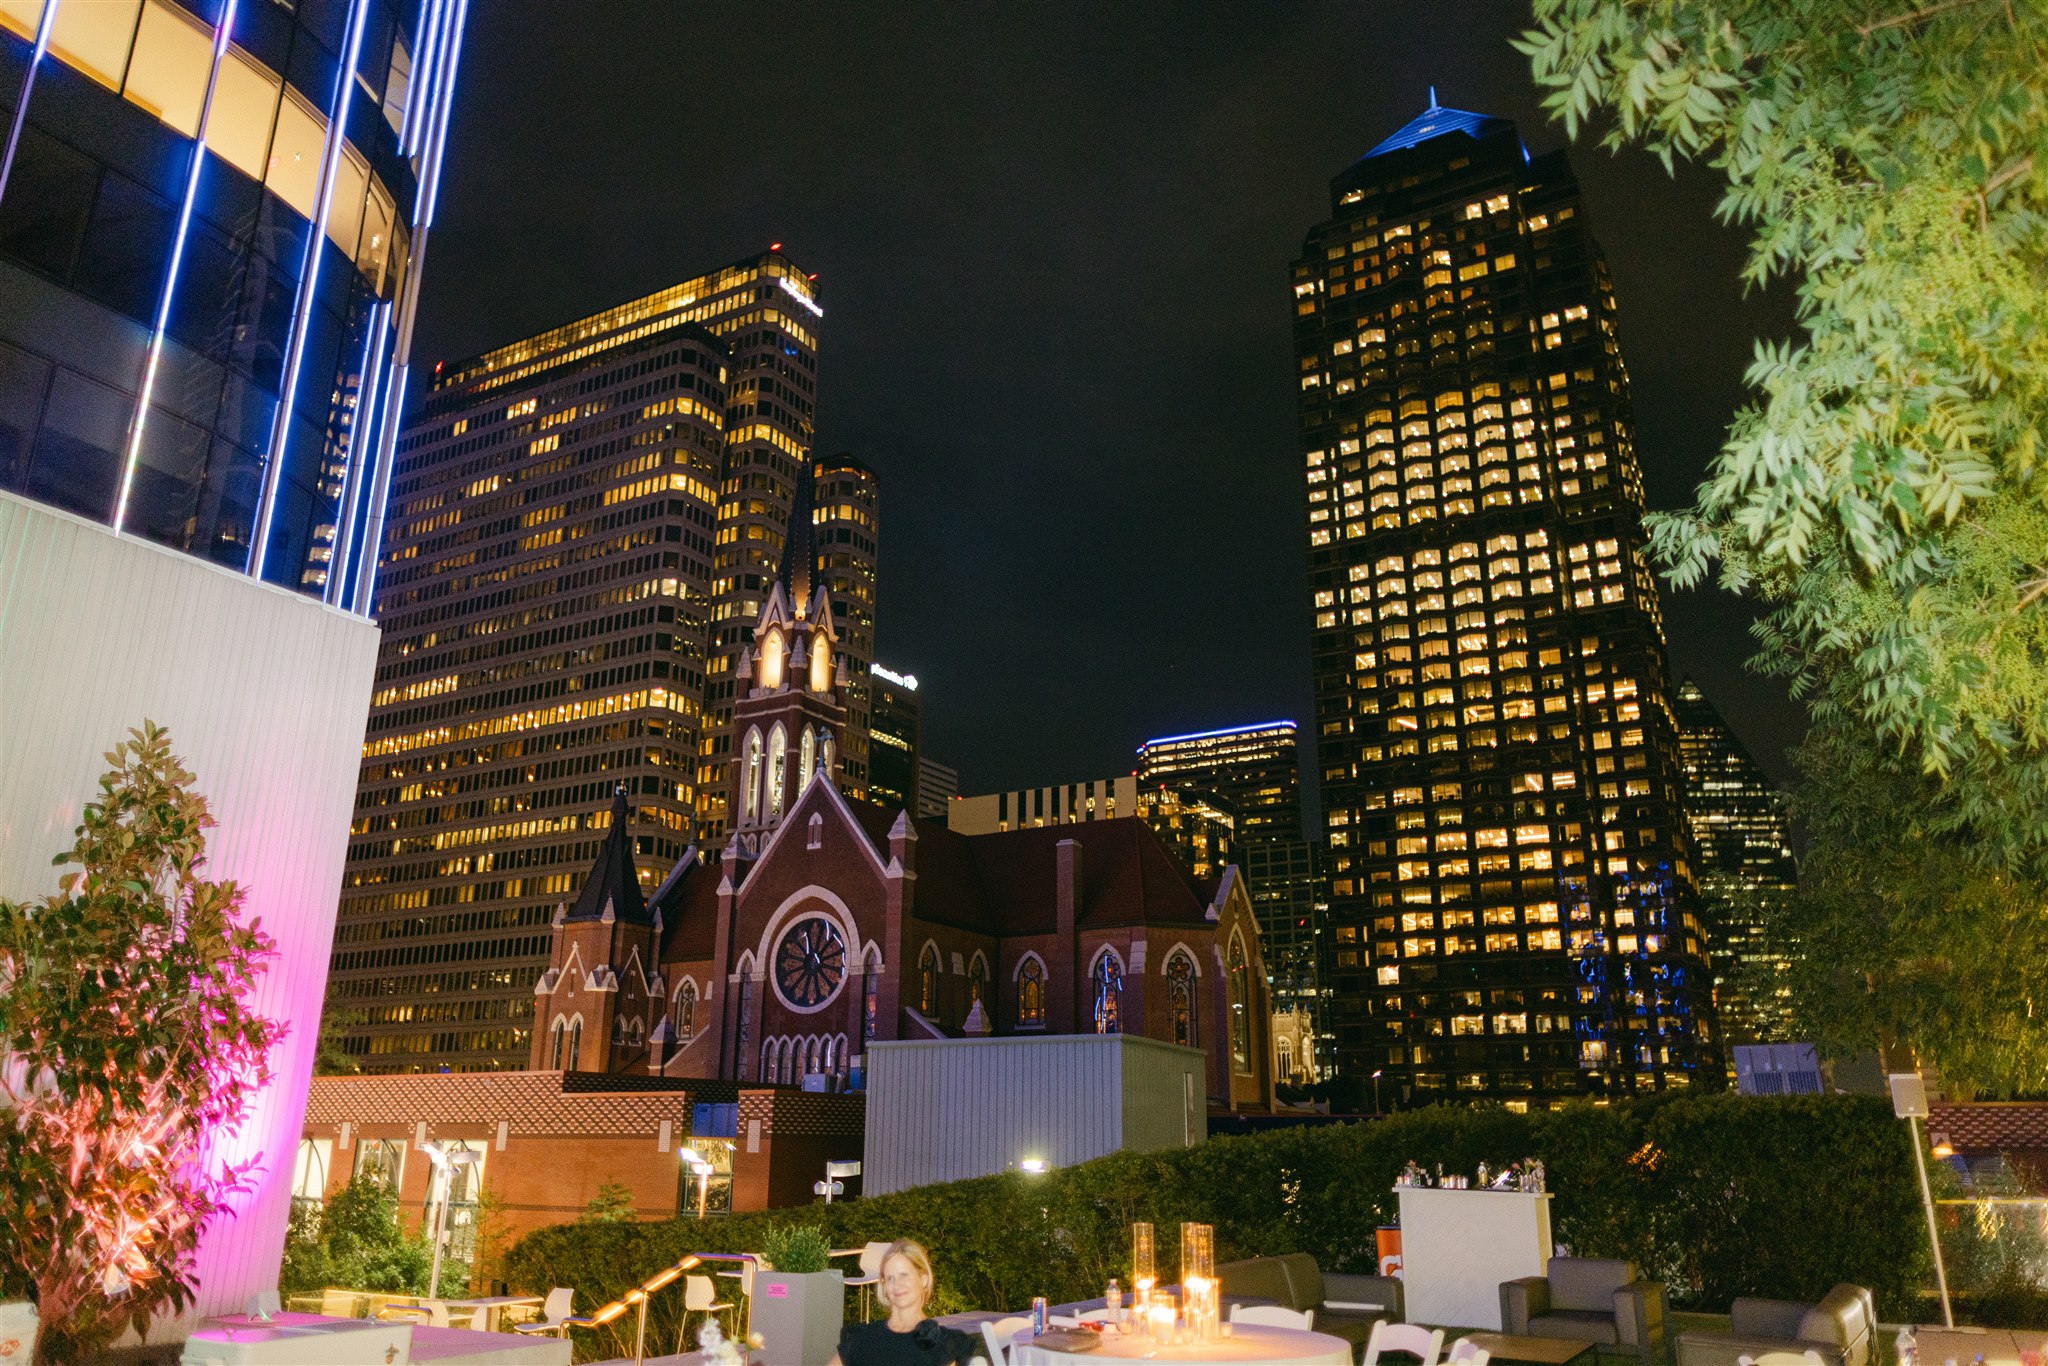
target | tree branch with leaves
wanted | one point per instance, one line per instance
(1883, 494)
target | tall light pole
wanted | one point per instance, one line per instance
(1376, 1093)
(444, 1173)
(1909, 1102)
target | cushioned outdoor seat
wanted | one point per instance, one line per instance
(1345, 1306)
(1840, 1328)
(1588, 1299)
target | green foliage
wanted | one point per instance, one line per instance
(331, 1059)
(1929, 955)
(1720, 1195)
(1884, 493)
(797, 1249)
(613, 1204)
(128, 1050)
(358, 1242)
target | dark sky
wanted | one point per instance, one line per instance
(1052, 242)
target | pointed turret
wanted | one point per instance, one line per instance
(612, 891)
(799, 576)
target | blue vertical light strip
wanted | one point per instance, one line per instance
(155, 356)
(309, 282)
(436, 140)
(362, 431)
(419, 99)
(28, 85)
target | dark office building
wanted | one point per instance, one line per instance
(895, 737)
(1743, 850)
(1512, 902)
(182, 356)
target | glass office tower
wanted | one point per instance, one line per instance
(1512, 901)
(1742, 835)
(184, 355)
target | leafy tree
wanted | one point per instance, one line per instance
(357, 1241)
(613, 1204)
(331, 1059)
(1929, 957)
(1883, 495)
(126, 1049)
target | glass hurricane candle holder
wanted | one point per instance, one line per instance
(1144, 1274)
(1198, 1279)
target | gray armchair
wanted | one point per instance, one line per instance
(1583, 1299)
(1840, 1328)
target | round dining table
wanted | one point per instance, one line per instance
(1247, 1342)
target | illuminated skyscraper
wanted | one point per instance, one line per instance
(1512, 903)
(895, 731)
(1254, 768)
(849, 517)
(577, 521)
(1745, 858)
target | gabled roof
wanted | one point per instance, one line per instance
(1438, 121)
(613, 881)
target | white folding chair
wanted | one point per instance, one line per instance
(1426, 1345)
(1465, 1352)
(1273, 1316)
(553, 1310)
(700, 1296)
(999, 1334)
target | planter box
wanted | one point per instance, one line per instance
(798, 1316)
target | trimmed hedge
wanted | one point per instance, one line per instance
(1718, 1196)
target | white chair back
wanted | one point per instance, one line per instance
(1425, 1344)
(1465, 1352)
(871, 1259)
(1273, 1316)
(999, 1333)
(698, 1293)
(558, 1304)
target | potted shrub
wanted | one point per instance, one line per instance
(800, 1304)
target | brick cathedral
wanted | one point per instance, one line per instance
(825, 923)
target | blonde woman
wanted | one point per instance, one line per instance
(906, 1337)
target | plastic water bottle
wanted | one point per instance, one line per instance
(1113, 1301)
(1908, 1346)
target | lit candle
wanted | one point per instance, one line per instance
(1162, 1322)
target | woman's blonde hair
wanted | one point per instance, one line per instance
(920, 1265)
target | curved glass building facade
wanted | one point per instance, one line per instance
(212, 219)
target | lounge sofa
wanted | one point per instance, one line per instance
(1345, 1306)
(1840, 1328)
(1588, 1299)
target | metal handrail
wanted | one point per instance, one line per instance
(638, 1297)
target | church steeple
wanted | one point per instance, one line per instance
(788, 715)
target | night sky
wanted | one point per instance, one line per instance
(1052, 243)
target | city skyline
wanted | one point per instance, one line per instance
(1032, 390)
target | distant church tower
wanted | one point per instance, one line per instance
(788, 714)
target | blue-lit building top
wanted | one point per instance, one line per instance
(182, 355)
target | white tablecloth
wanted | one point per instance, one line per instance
(1247, 1343)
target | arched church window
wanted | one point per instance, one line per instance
(745, 1029)
(1031, 993)
(977, 984)
(1180, 996)
(686, 1011)
(928, 982)
(557, 1043)
(870, 998)
(618, 1030)
(1109, 994)
(1240, 1006)
(768, 1072)
(1287, 1058)
(825, 754)
(750, 797)
(778, 760)
(575, 1042)
(807, 758)
(814, 831)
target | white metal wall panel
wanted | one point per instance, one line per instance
(944, 1110)
(265, 694)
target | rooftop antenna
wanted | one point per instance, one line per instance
(1432, 97)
